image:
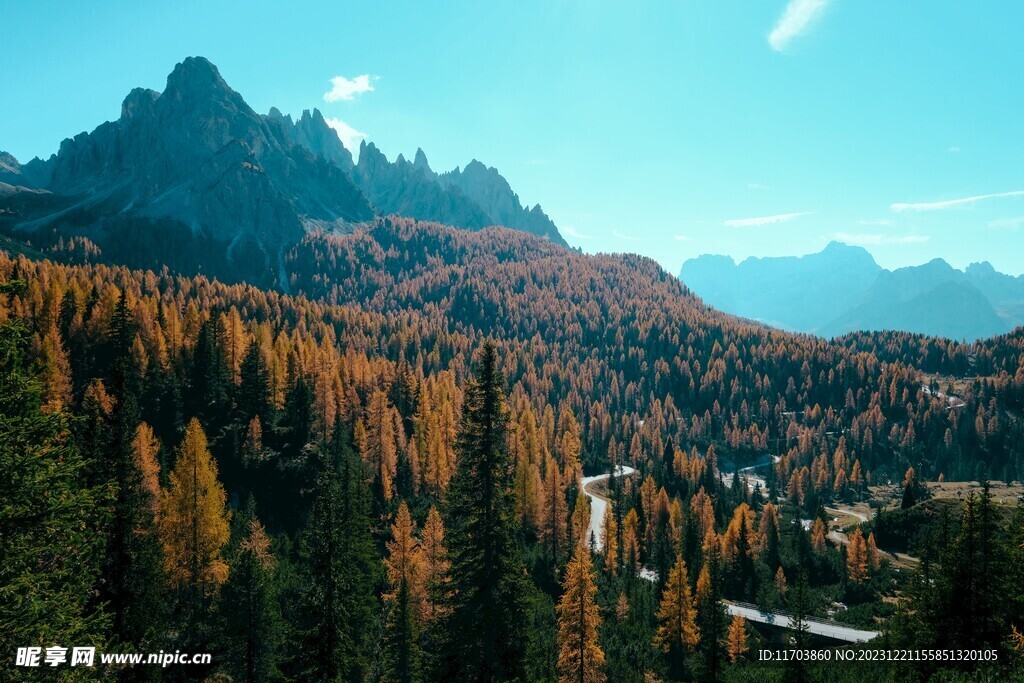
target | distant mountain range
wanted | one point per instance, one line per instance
(196, 165)
(841, 289)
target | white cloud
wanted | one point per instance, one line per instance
(950, 203)
(573, 232)
(799, 17)
(681, 238)
(1007, 223)
(347, 88)
(628, 238)
(763, 220)
(350, 137)
(953, 150)
(864, 239)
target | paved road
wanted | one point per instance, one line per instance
(818, 627)
(598, 504)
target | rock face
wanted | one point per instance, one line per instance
(493, 194)
(411, 189)
(473, 199)
(193, 178)
(196, 162)
(842, 289)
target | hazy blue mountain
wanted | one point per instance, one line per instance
(794, 293)
(841, 289)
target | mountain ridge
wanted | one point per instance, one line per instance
(195, 170)
(842, 289)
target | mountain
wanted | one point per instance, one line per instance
(491, 191)
(194, 179)
(841, 289)
(473, 199)
(793, 293)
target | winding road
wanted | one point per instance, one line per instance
(598, 504)
(828, 629)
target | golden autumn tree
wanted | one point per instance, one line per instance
(405, 557)
(580, 658)
(56, 372)
(554, 509)
(736, 638)
(857, 557)
(193, 520)
(610, 534)
(435, 559)
(144, 450)
(818, 535)
(580, 524)
(380, 449)
(677, 633)
(630, 542)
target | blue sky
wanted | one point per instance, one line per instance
(668, 129)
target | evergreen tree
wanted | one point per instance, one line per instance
(49, 518)
(484, 632)
(134, 568)
(580, 658)
(402, 650)
(339, 576)
(251, 625)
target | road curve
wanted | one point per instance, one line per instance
(598, 505)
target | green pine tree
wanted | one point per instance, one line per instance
(49, 518)
(340, 569)
(484, 632)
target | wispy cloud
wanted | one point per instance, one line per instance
(763, 220)
(628, 238)
(573, 232)
(950, 203)
(799, 17)
(953, 150)
(350, 137)
(347, 88)
(681, 238)
(1007, 223)
(872, 239)
(758, 186)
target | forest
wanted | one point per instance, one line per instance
(372, 473)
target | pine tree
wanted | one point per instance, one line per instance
(736, 639)
(194, 523)
(337, 601)
(251, 624)
(678, 633)
(403, 656)
(711, 614)
(580, 658)
(50, 523)
(484, 631)
(134, 566)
